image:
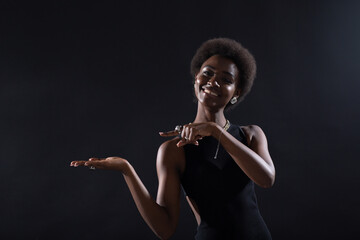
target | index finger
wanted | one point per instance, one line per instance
(169, 133)
(77, 163)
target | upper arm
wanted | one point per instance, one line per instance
(258, 143)
(168, 171)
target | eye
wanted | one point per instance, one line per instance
(207, 73)
(228, 81)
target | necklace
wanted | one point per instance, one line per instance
(225, 128)
(227, 125)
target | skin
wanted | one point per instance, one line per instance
(214, 86)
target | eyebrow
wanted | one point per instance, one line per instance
(223, 71)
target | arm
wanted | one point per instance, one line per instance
(254, 160)
(161, 215)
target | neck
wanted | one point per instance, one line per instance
(210, 115)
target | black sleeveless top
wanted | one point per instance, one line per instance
(223, 193)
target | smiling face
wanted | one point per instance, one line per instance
(216, 82)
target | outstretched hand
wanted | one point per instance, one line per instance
(110, 163)
(191, 133)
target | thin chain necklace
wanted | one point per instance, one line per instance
(225, 128)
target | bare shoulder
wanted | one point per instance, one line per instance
(170, 155)
(253, 133)
(252, 129)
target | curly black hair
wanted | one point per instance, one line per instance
(233, 50)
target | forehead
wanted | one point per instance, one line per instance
(223, 64)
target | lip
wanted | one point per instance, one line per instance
(209, 91)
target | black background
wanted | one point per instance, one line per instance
(102, 78)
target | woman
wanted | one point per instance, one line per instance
(216, 163)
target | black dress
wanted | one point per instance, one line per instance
(224, 195)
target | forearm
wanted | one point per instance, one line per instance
(253, 165)
(154, 215)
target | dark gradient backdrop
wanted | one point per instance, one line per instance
(101, 79)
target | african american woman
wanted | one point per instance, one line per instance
(214, 161)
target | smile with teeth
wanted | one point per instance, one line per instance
(210, 92)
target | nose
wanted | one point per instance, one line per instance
(213, 82)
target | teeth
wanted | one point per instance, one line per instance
(209, 92)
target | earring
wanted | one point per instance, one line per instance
(233, 100)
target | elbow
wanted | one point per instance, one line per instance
(165, 228)
(165, 233)
(163, 237)
(268, 184)
(268, 181)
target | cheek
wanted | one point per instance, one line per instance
(230, 89)
(196, 84)
(196, 87)
(200, 79)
